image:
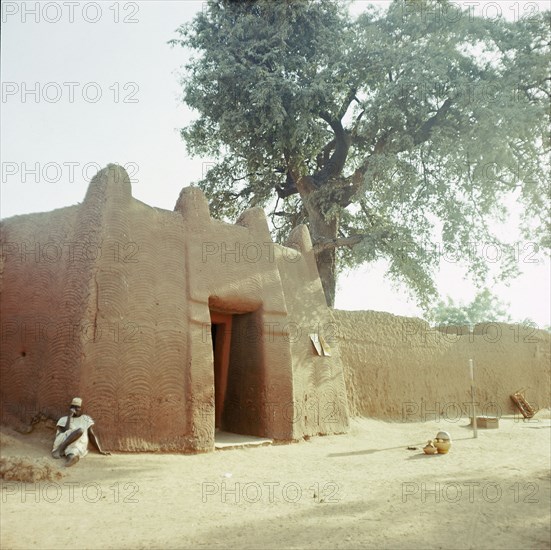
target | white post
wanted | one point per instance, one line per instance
(471, 368)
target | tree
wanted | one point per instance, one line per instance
(484, 308)
(384, 133)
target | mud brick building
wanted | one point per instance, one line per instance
(169, 324)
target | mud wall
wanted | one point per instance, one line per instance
(133, 367)
(400, 368)
(46, 264)
(319, 393)
(276, 298)
(231, 272)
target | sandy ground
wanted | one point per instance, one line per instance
(360, 490)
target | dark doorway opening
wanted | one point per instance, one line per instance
(238, 373)
(221, 324)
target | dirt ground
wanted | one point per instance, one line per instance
(360, 490)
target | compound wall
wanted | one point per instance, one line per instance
(400, 368)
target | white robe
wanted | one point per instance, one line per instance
(80, 446)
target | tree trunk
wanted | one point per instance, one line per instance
(326, 269)
(320, 229)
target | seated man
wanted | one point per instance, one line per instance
(71, 439)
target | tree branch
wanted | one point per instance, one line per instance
(348, 100)
(288, 188)
(340, 145)
(333, 167)
(326, 244)
(424, 132)
(384, 143)
(323, 157)
(345, 194)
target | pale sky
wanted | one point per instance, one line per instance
(91, 83)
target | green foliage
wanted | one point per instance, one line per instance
(444, 118)
(484, 308)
